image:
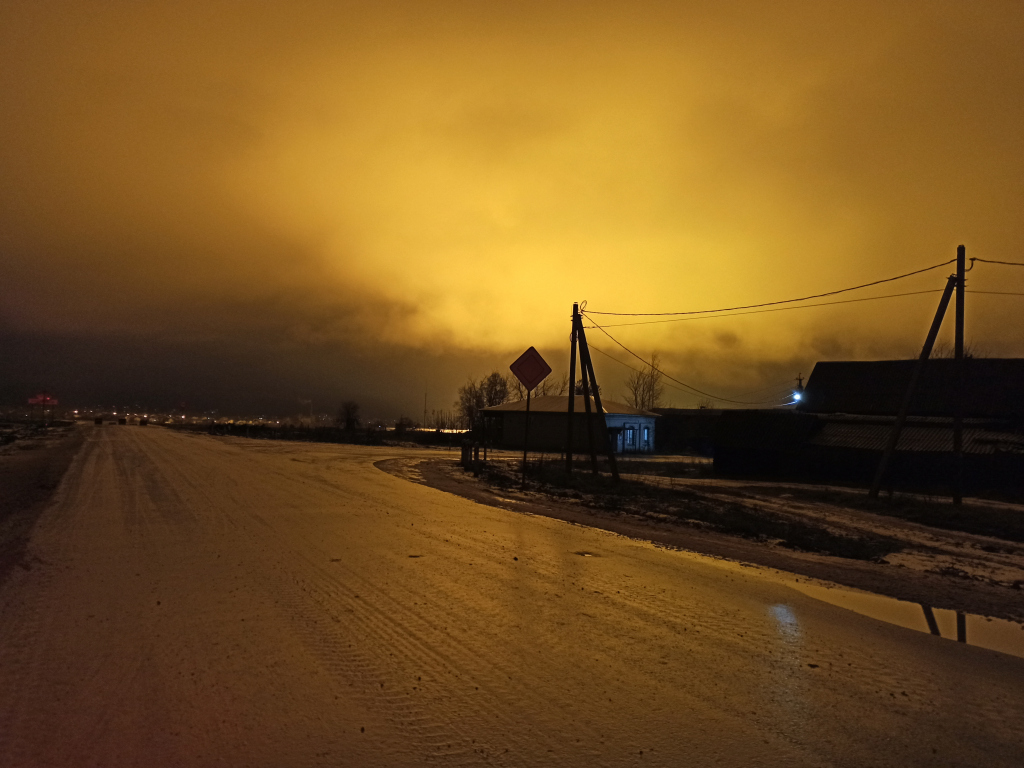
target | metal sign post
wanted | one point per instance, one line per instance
(526, 439)
(531, 369)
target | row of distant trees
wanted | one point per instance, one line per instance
(496, 388)
(347, 418)
(644, 390)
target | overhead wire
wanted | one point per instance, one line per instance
(767, 401)
(689, 387)
(776, 387)
(762, 311)
(993, 261)
(773, 303)
(772, 306)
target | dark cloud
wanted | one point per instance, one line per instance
(205, 203)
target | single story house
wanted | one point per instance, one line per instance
(846, 414)
(504, 426)
(842, 447)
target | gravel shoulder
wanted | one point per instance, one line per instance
(32, 465)
(818, 532)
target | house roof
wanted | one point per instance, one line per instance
(560, 404)
(993, 387)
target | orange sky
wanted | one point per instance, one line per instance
(426, 187)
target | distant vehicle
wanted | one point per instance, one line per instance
(122, 421)
(98, 421)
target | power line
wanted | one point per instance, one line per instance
(778, 386)
(1004, 263)
(690, 387)
(774, 303)
(768, 401)
(759, 309)
(775, 309)
(805, 306)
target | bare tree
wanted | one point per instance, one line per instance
(348, 415)
(645, 387)
(471, 400)
(944, 350)
(445, 419)
(558, 386)
(495, 389)
(404, 424)
(579, 388)
(549, 386)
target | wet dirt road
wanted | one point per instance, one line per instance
(198, 601)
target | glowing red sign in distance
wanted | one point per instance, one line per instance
(530, 369)
(42, 400)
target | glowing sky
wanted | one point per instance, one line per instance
(371, 199)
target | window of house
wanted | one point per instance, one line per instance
(647, 435)
(629, 437)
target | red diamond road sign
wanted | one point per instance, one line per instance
(530, 369)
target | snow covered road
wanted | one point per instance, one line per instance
(202, 601)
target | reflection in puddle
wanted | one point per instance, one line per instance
(994, 634)
(786, 620)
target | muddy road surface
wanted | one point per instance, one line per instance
(197, 601)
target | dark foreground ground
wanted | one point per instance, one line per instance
(203, 601)
(33, 460)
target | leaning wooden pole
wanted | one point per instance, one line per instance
(958, 395)
(926, 351)
(569, 445)
(586, 397)
(588, 370)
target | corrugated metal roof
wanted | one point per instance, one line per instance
(993, 387)
(560, 404)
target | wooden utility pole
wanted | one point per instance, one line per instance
(901, 418)
(958, 395)
(588, 370)
(569, 445)
(586, 403)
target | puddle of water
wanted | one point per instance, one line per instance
(983, 631)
